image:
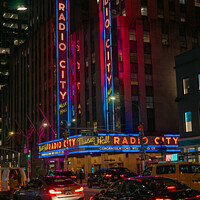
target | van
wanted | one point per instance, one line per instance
(5, 175)
(185, 172)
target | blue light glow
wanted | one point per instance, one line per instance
(173, 150)
(171, 135)
(51, 155)
(97, 146)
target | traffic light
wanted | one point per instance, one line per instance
(66, 135)
(141, 130)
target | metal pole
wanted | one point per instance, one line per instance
(28, 171)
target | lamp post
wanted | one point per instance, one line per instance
(28, 151)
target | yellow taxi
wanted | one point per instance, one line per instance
(185, 172)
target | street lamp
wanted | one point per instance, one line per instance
(21, 8)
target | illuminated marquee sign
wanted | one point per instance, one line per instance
(62, 58)
(105, 144)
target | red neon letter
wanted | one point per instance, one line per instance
(168, 139)
(108, 67)
(63, 94)
(63, 84)
(109, 79)
(62, 6)
(107, 23)
(108, 43)
(145, 138)
(61, 27)
(62, 17)
(62, 46)
(61, 64)
(108, 55)
(124, 141)
(107, 12)
(132, 140)
(116, 140)
(175, 140)
(156, 140)
(106, 2)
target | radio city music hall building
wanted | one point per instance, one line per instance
(108, 65)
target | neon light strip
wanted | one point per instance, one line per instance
(100, 151)
(171, 135)
(61, 154)
(68, 86)
(74, 136)
(51, 141)
(105, 68)
(57, 57)
(117, 134)
(52, 151)
(113, 105)
(167, 145)
(93, 146)
(173, 150)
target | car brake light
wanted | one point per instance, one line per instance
(122, 175)
(72, 176)
(79, 190)
(198, 196)
(108, 175)
(162, 199)
(171, 187)
(55, 192)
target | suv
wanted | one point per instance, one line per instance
(125, 171)
(66, 173)
(105, 177)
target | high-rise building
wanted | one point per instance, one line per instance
(102, 65)
(13, 33)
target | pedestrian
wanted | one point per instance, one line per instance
(80, 175)
(13, 184)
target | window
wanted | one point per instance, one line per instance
(199, 81)
(149, 102)
(148, 171)
(143, 10)
(10, 25)
(132, 35)
(186, 86)
(189, 169)
(146, 36)
(133, 57)
(165, 39)
(10, 16)
(197, 3)
(166, 169)
(124, 12)
(4, 50)
(188, 122)
(182, 1)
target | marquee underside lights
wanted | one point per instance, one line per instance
(107, 143)
(62, 62)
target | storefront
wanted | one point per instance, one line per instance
(105, 150)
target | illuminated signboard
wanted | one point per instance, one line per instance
(107, 61)
(62, 59)
(107, 143)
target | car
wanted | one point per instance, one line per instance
(66, 173)
(147, 188)
(123, 170)
(185, 172)
(51, 188)
(105, 177)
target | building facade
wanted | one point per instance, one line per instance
(101, 66)
(188, 97)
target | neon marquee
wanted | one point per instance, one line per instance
(62, 59)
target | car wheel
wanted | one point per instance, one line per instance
(89, 185)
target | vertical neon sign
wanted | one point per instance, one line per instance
(62, 26)
(107, 36)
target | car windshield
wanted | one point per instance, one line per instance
(54, 181)
(157, 185)
(62, 173)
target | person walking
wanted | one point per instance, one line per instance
(81, 176)
(13, 184)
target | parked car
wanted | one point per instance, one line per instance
(186, 172)
(105, 177)
(66, 173)
(147, 188)
(50, 188)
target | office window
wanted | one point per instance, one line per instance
(186, 86)
(132, 35)
(188, 122)
(197, 3)
(143, 10)
(165, 39)
(182, 1)
(199, 81)
(124, 12)
(4, 50)
(10, 16)
(146, 36)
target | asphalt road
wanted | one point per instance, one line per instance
(88, 192)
